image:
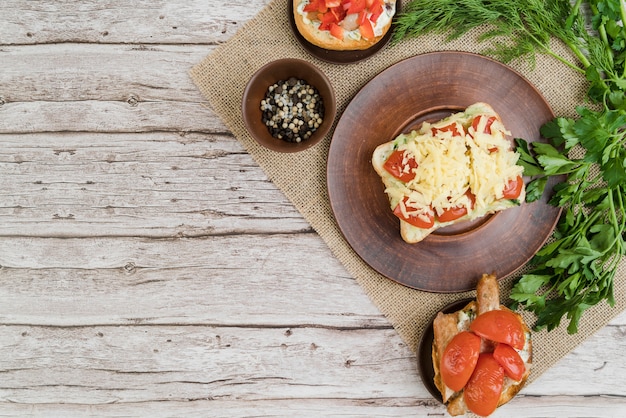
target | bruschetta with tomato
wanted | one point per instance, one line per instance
(481, 354)
(460, 168)
(343, 25)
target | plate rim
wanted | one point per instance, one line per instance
(385, 73)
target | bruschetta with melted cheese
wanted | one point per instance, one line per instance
(343, 25)
(456, 169)
(481, 354)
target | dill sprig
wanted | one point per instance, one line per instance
(517, 28)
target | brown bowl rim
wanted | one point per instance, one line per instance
(251, 112)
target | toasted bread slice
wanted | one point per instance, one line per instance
(450, 166)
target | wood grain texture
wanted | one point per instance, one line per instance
(148, 267)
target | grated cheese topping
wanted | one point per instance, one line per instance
(454, 159)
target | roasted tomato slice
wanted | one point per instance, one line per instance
(510, 361)
(513, 189)
(396, 167)
(502, 326)
(459, 359)
(456, 212)
(424, 220)
(487, 128)
(453, 127)
(484, 387)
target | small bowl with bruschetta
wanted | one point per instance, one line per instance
(288, 105)
(476, 354)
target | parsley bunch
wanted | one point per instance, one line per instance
(576, 269)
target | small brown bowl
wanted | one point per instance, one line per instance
(257, 87)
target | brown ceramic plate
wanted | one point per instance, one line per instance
(429, 87)
(339, 57)
(424, 352)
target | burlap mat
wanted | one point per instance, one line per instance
(222, 76)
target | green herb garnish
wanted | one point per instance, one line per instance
(576, 269)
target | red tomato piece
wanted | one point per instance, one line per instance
(452, 214)
(312, 6)
(484, 388)
(339, 13)
(362, 17)
(366, 30)
(376, 9)
(459, 359)
(336, 30)
(332, 3)
(501, 326)
(396, 167)
(513, 189)
(376, 6)
(425, 220)
(453, 127)
(510, 361)
(458, 211)
(487, 129)
(326, 19)
(356, 6)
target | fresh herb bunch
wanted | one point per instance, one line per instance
(576, 269)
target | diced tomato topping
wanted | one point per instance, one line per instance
(356, 6)
(487, 129)
(453, 127)
(332, 3)
(312, 6)
(483, 390)
(502, 326)
(396, 167)
(362, 17)
(459, 359)
(336, 30)
(366, 30)
(513, 189)
(424, 220)
(377, 9)
(510, 361)
(339, 13)
(326, 19)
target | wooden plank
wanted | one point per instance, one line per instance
(126, 73)
(136, 366)
(155, 184)
(111, 21)
(241, 280)
(557, 407)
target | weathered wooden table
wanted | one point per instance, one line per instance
(149, 268)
